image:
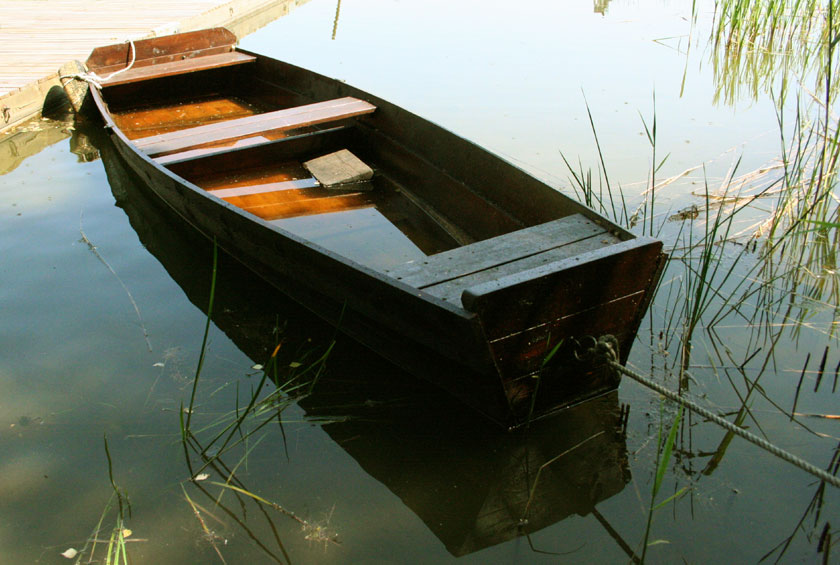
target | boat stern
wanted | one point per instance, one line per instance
(540, 323)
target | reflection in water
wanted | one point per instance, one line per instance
(760, 46)
(27, 140)
(472, 490)
(335, 22)
(600, 6)
(468, 482)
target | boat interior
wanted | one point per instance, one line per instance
(247, 141)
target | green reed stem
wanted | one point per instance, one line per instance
(206, 333)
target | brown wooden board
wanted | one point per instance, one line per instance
(263, 188)
(164, 118)
(563, 287)
(320, 112)
(208, 151)
(197, 167)
(453, 201)
(179, 67)
(292, 203)
(158, 50)
(497, 250)
(523, 352)
(451, 290)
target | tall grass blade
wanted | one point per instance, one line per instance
(203, 351)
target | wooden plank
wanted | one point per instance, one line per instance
(522, 353)
(293, 203)
(452, 289)
(156, 50)
(492, 252)
(552, 291)
(300, 116)
(338, 168)
(191, 154)
(183, 66)
(466, 214)
(263, 188)
(227, 160)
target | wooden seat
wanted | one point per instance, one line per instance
(500, 250)
(240, 128)
(183, 66)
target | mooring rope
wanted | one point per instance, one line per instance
(133, 51)
(90, 78)
(95, 80)
(604, 349)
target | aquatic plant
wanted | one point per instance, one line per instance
(664, 450)
(115, 550)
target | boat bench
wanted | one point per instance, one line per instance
(446, 275)
(161, 147)
(179, 67)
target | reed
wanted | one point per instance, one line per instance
(203, 349)
(758, 46)
(319, 533)
(664, 450)
(240, 431)
(115, 543)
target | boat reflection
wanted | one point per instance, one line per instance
(473, 485)
(468, 482)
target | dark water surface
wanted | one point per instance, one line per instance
(102, 309)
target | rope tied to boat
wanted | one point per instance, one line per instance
(602, 350)
(95, 80)
(90, 78)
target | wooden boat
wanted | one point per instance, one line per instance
(435, 253)
(471, 484)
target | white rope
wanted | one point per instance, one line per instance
(95, 80)
(89, 78)
(130, 64)
(605, 349)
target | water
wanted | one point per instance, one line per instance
(104, 341)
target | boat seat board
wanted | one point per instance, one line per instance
(154, 50)
(496, 251)
(452, 290)
(563, 287)
(179, 67)
(230, 130)
(192, 154)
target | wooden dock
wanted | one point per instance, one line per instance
(37, 37)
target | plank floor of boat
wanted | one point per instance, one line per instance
(166, 118)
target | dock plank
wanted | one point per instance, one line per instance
(37, 37)
(48, 34)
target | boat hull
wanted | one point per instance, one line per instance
(507, 344)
